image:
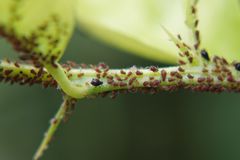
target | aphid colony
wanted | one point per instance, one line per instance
(14, 72)
(133, 79)
(30, 47)
(221, 71)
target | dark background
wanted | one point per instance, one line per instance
(167, 126)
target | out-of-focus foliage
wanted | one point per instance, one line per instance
(136, 25)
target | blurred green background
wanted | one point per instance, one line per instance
(167, 126)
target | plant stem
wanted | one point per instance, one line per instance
(53, 126)
(199, 78)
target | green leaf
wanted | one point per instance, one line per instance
(219, 26)
(135, 25)
(40, 28)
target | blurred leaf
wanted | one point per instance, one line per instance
(219, 24)
(41, 27)
(135, 25)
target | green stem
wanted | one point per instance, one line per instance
(53, 127)
(66, 85)
(76, 82)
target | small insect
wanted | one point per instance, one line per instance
(154, 69)
(205, 55)
(96, 82)
(138, 73)
(237, 66)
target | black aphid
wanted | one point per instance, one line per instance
(237, 66)
(205, 55)
(96, 82)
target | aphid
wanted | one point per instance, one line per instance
(15, 78)
(237, 66)
(230, 79)
(122, 72)
(68, 68)
(178, 75)
(220, 78)
(190, 76)
(102, 65)
(114, 94)
(72, 64)
(163, 74)
(106, 69)
(16, 64)
(40, 72)
(98, 70)
(196, 23)
(204, 70)
(151, 78)
(33, 71)
(53, 61)
(8, 61)
(104, 74)
(96, 82)
(129, 74)
(179, 37)
(186, 53)
(138, 73)
(118, 77)
(170, 79)
(83, 65)
(190, 59)
(194, 10)
(154, 69)
(115, 84)
(201, 79)
(181, 62)
(80, 75)
(185, 45)
(98, 76)
(216, 70)
(122, 84)
(45, 84)
(8, 72)
(210, 79)
(178, 46)
(155, 83)
(205, 55)
(110, 81)
(145, 84)
(180, 69)
(54, 121)
(70, 75)
(196, 46)
(197, 34)
(180, 54)
(173, 73)
(216, 59)
(110, 77)
(130, 82)
(224, 61)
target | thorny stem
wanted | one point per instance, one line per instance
(67, 103)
